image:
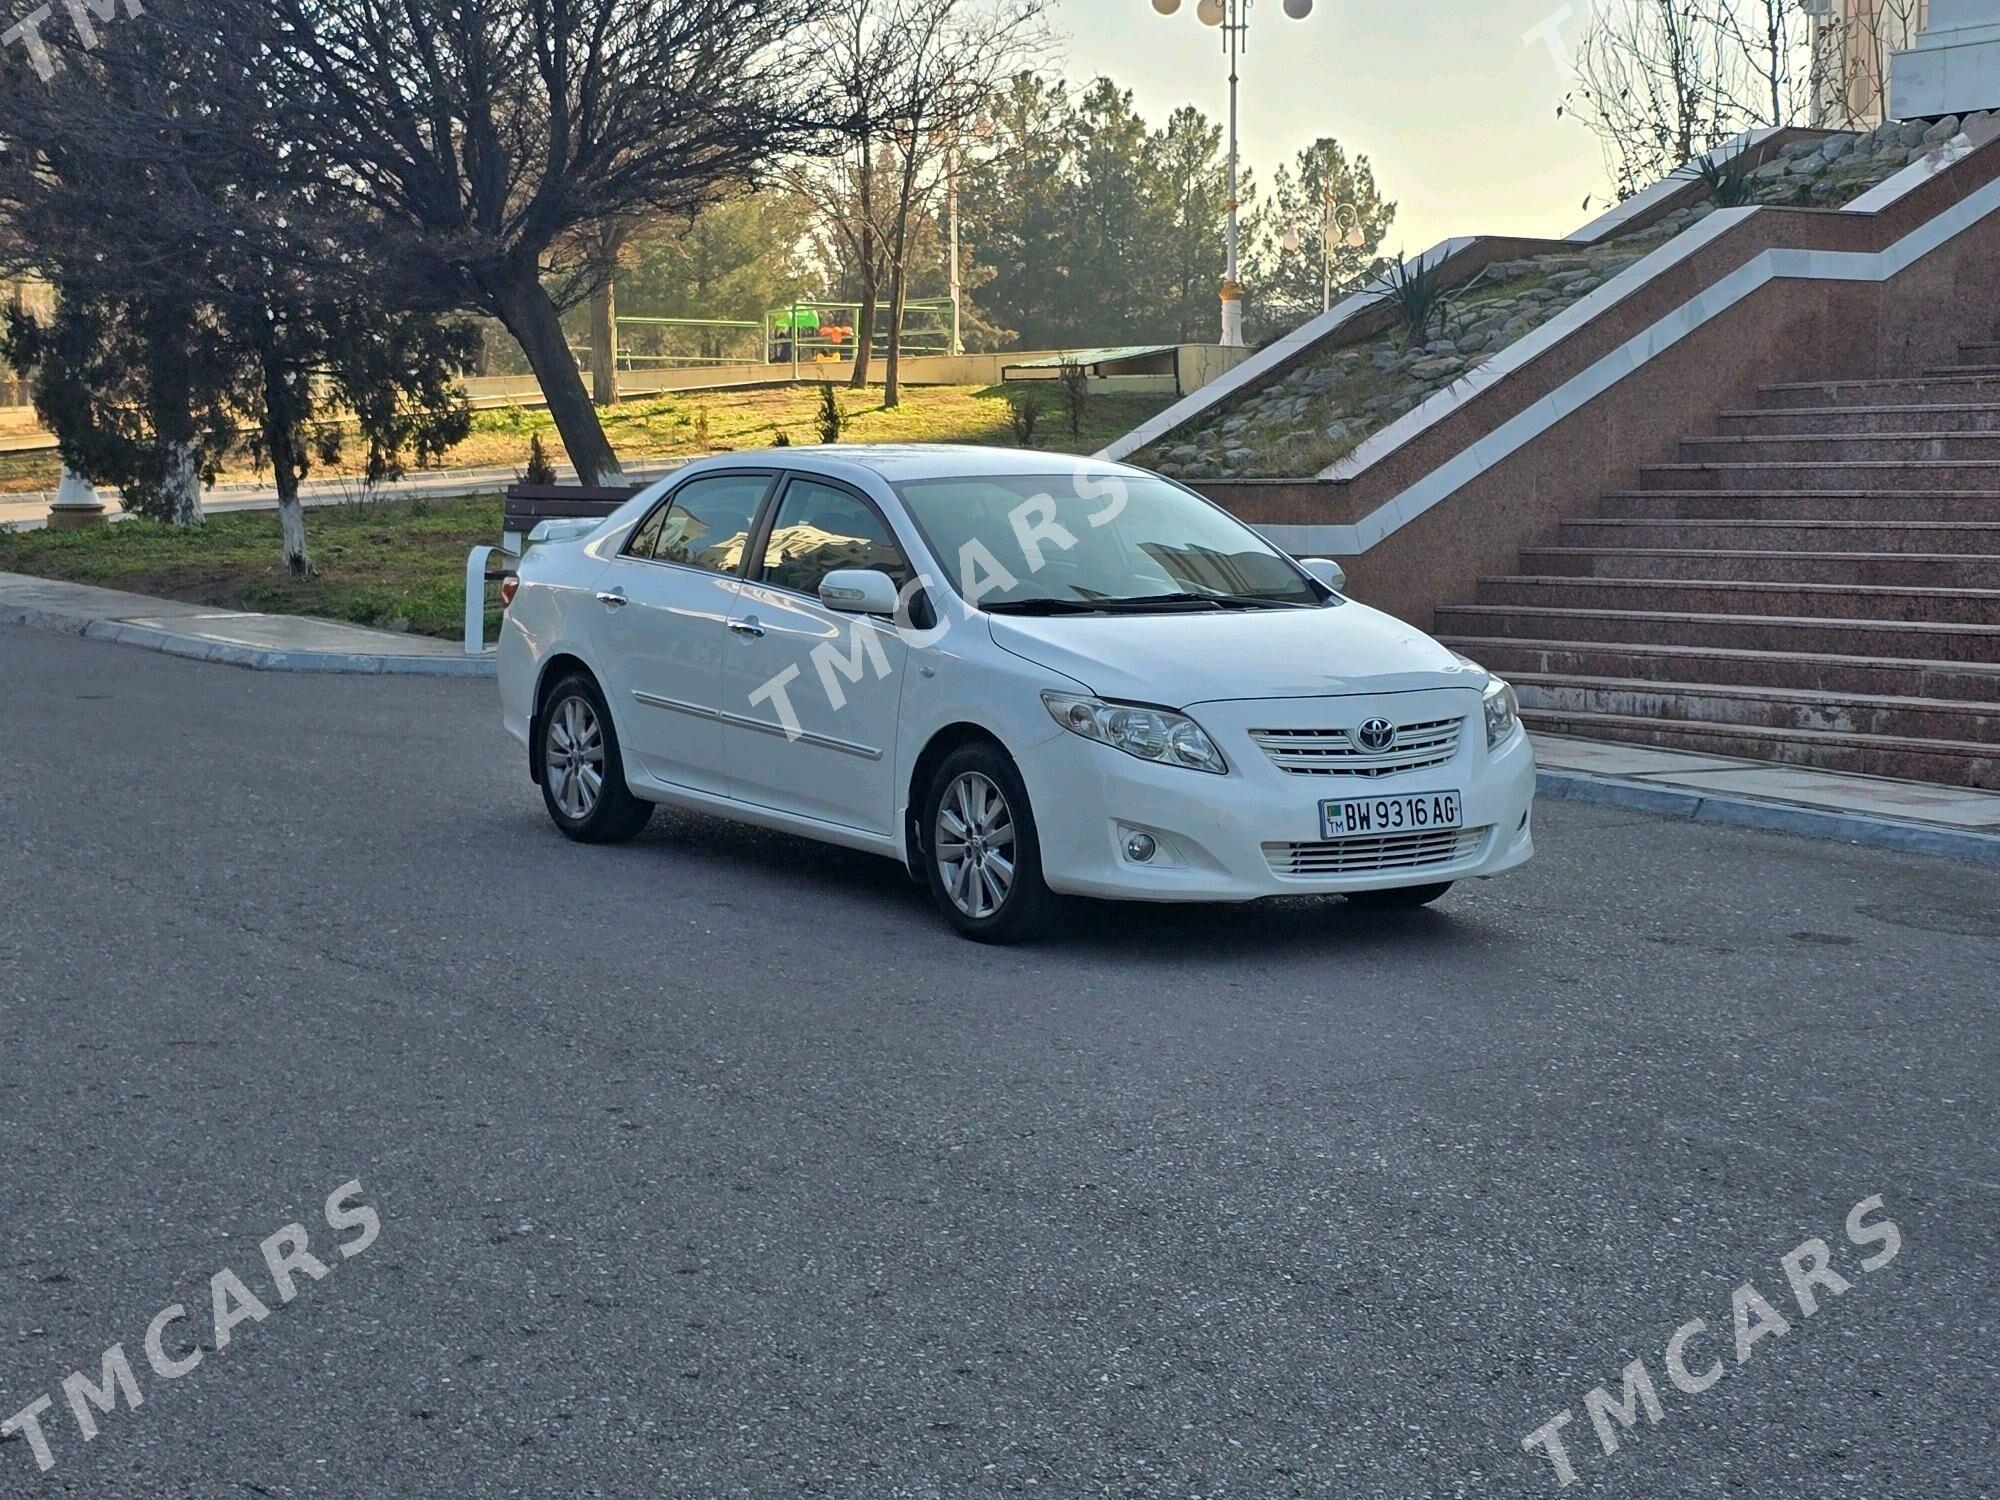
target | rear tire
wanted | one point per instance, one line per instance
(982, 859)
(583, 773)
(1400, 898)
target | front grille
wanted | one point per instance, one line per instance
(1395, 851)
(1333, 752)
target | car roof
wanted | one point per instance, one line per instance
(896, 462)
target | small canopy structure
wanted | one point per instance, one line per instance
(1123, 359)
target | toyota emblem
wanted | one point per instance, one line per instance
(1375, 734)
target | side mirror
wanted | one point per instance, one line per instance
(858, 591)
(1326, 571)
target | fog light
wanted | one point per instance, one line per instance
(1139, 848)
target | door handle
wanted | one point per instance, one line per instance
(746, 626)
(613, 597)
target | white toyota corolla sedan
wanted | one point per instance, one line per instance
(1019, 674)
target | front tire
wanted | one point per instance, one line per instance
(981, 853)
(1400, 898)
(583, 773)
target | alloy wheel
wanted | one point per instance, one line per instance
(975, 845)
(573, 760)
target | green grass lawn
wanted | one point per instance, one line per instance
(400, 564)
(395, 565)
(672, 426)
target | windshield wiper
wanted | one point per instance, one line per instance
(1135, 604)
(1041, 607)
(1220, 601)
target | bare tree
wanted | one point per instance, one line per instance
(1659, 81)
(1851, 60)
(1650, 86)
(856, 50)
(485, 140)
(956, 55)
(911, 78)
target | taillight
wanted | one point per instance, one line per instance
(509, 587)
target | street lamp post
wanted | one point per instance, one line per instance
(1233, 16)
(1332, 215)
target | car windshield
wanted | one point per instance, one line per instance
(1085, 543)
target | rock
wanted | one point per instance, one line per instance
(1941, 132)
(1238, 458)
(1436, 367)
(1837, 147)
(1912, 133)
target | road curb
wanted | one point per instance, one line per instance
(256, 658)
(1782, 817)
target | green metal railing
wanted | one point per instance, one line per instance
(777, 338)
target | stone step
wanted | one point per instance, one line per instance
(1729, 534)
(1967, 367)
(1919, 569)
(1953, 386)
(1843, 447)
(1973, 682)
(1950, 762)
(1704, 596)
(1932, 416)
(1828, 504)
(1764, 707)
(1980, 352)
(1906, 639)
(1766, 475)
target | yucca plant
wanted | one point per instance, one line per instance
(1418, 292)
(1728, 182)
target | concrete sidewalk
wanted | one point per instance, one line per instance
(1956, 822)
(278, 643)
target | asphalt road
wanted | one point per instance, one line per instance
(714, 1166)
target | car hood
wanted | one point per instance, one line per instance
(1203, 656)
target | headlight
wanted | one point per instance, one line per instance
(1502, 712)
(1149, 733)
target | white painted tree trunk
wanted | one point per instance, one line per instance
(77, 496)
(183, 484)
(292, 520)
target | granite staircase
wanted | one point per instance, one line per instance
(1817, 584)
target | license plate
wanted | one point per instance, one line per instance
(1413, 812)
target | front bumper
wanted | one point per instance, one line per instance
(1238, 837)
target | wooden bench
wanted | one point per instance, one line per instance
(528, 504)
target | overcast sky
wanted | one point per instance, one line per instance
(1454, 110)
